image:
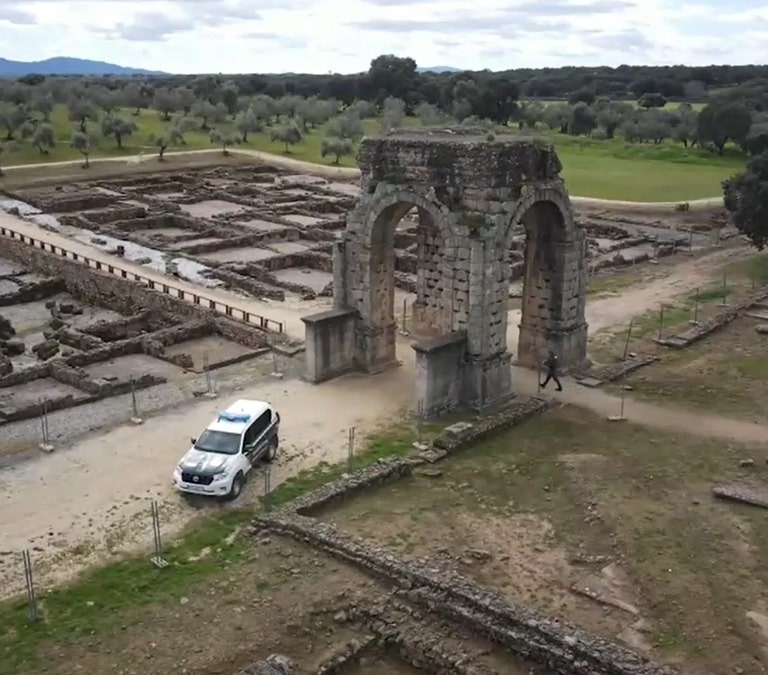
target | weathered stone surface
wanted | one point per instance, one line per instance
(6, 367)
(472, 195)
(6, 329)
(742, 493)
(276, 664)
(12, 347)
(45, 350)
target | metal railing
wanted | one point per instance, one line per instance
(236, 313)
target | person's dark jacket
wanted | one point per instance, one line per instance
(551, 363)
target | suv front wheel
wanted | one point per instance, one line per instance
(237, 486)
(272, 449)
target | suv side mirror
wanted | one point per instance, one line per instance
(193, 440)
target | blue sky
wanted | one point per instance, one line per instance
(319, 36)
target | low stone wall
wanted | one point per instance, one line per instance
(610, 372)
(709, 326)
(115, 213)
(31, 291)
(248, 283)
(250, 271)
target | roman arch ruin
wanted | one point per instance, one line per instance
(472, 194)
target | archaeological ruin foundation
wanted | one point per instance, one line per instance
(473, 195)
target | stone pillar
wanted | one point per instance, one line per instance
(439, 368)
(487, 377)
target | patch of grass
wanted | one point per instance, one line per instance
(106, 595)
(753, 269)
(610, 169)
(397, 442)
(749, 366)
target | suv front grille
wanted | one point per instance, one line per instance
(188, 477)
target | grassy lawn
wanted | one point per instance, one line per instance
(513, 510)
(116, 594)
(603, 169)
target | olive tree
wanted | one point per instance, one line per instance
(338, 147)
(225, 138)
(82, 143)
(288, 134)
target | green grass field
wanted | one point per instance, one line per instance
(603, 169)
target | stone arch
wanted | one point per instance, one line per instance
(554, 193)
(554, 281)
(373, 227)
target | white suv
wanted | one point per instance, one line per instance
(231, 445)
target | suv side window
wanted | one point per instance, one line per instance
(257, 428)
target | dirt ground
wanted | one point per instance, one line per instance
(620, 512)
(637, 495)
(94, 496)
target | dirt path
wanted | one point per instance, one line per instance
(94, 497)
(351, 173)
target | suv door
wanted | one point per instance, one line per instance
(256, 441)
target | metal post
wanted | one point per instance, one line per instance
(405, 314)
(209, 389)
(629, 335)
(620, 417)
(661, 319)
(267, 487)
(45, 445)
(690, 241)
(30, 585)
(135, 416)
(724, 303)
(695, 321)
(350, 446)
(157, 560)
(419, 416)
(276, 366)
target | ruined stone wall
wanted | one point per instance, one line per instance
(126, 297)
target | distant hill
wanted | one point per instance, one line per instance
(64, 65)
(440, 69)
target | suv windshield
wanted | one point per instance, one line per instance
(218, 441)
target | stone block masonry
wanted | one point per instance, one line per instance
(472, 196)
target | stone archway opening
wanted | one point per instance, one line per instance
(404, 290)
(552, 305)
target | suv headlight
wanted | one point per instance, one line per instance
(224, 473)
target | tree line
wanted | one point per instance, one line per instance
(107, 108)
(390, 75)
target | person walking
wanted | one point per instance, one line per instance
(551, 365)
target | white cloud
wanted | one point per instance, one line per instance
(344, 35)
